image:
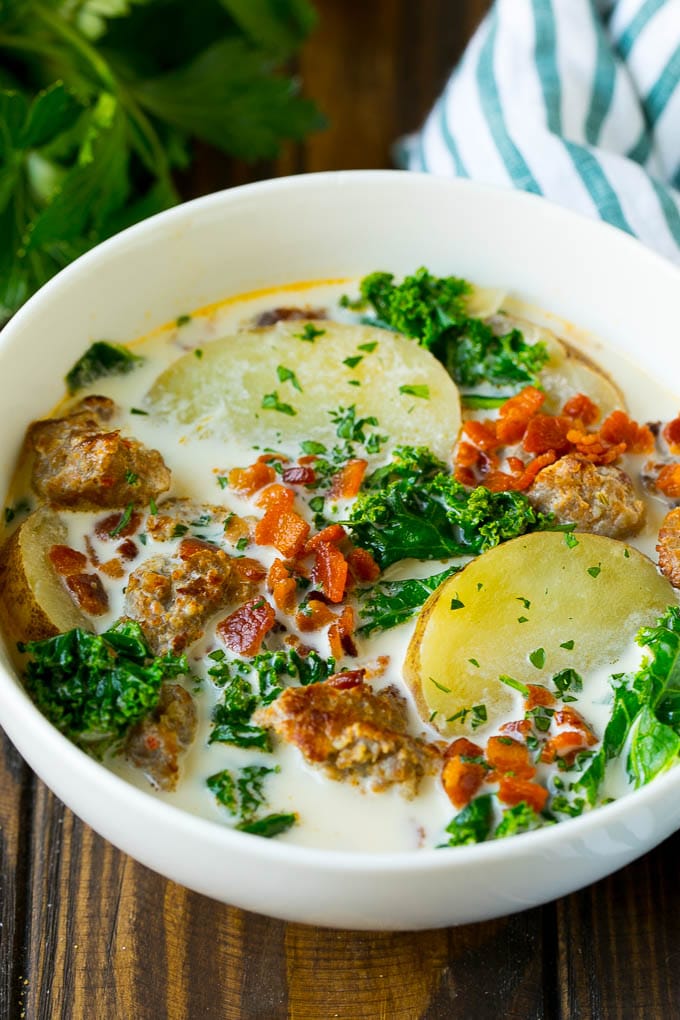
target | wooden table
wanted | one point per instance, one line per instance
(85, 932)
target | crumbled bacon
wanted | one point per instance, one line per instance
(249, 480)
(88, 592)
(244, 630)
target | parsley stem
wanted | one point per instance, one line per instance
(60, 27)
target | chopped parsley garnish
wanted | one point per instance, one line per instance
(389, 603)
(481, 402)
(198, 353)
(153, 509)
(269, 826)
(182, 320)
(312, 448)
(131, 478)
(566, 682)
(310, 333)
(95, 686)
(537, 658)
(415, 391)
(179, 530)
(353, 362)
(525, 602)
(101, 359)
(123, 521)
(517, 685)
(287, 375)
(242, 794)
(369, 347)
(595, 571)
(271, 402)
(456, 603)
(440, 687)
(223, 481)
(138, 410)
(571, 539)
(568, 645)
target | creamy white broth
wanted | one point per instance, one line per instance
(331, 813)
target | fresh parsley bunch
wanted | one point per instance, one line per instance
(101, 99)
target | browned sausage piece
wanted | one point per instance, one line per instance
(79, 465)
(668, 546)
(172, 597)
(154, 744)
(598, 498)
(353, 732)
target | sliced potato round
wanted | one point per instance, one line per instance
(33, 602)
(227, 391)
(515, 611)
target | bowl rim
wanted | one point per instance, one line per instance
(26, 720)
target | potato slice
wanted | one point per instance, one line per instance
(33, 602)
(400, 384)
(535, 592)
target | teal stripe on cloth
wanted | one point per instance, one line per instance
(545, 55)
(604, 83)
(490, 101)
(599, 188)
(642, 149)
(630, 35)
(663, 88)
(448, 137)
(669, 209)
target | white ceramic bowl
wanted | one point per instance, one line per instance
(316, 227)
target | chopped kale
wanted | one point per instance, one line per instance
(472, 824)
(100, 359)
(389, 603)
(432, 311)
(436, 517)
(516, 819)
(270, 825)
(97, 685)
(242, 795)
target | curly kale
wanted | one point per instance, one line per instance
(97, 685)
(430, 516)
(432, 311)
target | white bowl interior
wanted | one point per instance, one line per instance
(320, 227)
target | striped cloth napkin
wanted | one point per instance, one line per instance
(577, 100)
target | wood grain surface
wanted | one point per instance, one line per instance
(86, 932)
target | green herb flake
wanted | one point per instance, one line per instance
(415, 391)
(182, 320)
(287, 375)
(269, 826)
(626, 554)
(456, 603)
(131, 478)
(568, 645)
(369, 347)
(522, 619)
(473, 662)
(123, 521)
(440, 687)
(517, 685)
(310, 333)
(570, 540)
(479, 716)
(222, 481)
(353, 362)
(525, 602)
(271, 402)
(537, 658)
(101, 359)
(153, 508)
(138, 410)
(595, 571)
(198, 353)
(311, 448)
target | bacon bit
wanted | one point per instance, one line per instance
(189, 547)
(465, 476)
(127, 549)
(307, 458)
(276, 495)
(591, 446)
(377, 668)
(463, 746)
(244, 630)
(547, 432)
(362, 565)
(249, 480)
(515, 414)
(301, 475)
(619, 428)
(314, 615)
(567, 716)
(333, 534)
(88, 591)
(347, 482)
(113, 568)
(462, 779)
(668, 481)
(565, 745)
(519, 729)
(507, 755)
(582, 409)
(482, 434)
(500, 481)
(346, 679)
(329, 572)
(103, 528)
(513, 791)
(66, 560)
(340, 634)
(284, 529)
(248, 569)
(283, 586)
(671, 433)
(269, 458)
(538, 695)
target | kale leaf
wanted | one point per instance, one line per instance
(97, 685)
(473, 823)
(429, 516)
(101, 359)
(432, 311)
(389, 603)
(244, 794)
(516, 819)
(270, 825)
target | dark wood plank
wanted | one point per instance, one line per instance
(16, 786)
